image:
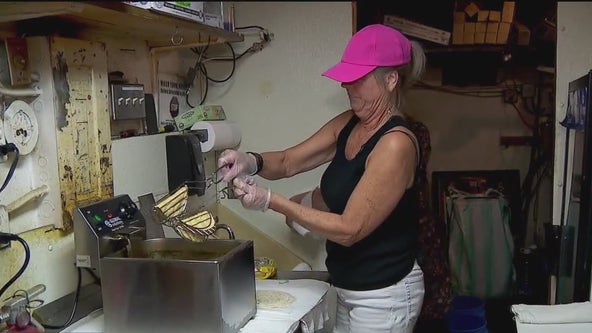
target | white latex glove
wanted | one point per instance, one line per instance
(251, 196)
(234, 163)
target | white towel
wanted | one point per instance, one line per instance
(309, 310)
(302, 231)
(315, 319)
(553, 314)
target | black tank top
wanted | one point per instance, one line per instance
(386, 255)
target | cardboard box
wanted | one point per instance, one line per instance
(457, 33)
(508, 11)
(522, 34)
(185, 120)
(503, 33)
(214, 13)
(491, 37)
(139, 4)
(492, 27)
(481, 27)
(470, 27)
(213, 20)
(482, 15)
(469, 37)
(471, 9)
(480, 37)
(418, 30)
(495, 16)
(191, 10)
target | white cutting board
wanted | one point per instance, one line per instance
(310, 306)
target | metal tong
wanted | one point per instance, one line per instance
(212, 179)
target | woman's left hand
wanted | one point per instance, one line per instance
(251, 196)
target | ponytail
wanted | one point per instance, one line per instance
(408, 73)
(416, 68)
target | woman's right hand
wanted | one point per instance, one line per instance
(250, 195)
(232, 164)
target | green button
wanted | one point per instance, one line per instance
(98, 217)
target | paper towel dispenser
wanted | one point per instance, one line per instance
(185, 162)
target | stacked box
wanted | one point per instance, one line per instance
(458, 28)
(208, 12)
(214, 13)
(191, 10)
(139, 4)
(474, 25)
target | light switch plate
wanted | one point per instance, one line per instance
(127, 101)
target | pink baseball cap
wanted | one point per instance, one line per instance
(373, 46)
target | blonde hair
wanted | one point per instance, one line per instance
(408, 73)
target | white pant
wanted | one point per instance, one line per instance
(393, 309)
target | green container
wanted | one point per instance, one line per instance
(185, 120)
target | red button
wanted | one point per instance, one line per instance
(109, 215)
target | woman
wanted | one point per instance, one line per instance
(368, 188)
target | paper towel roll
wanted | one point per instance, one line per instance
(222, 134)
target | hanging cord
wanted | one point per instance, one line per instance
(203, 68)
(522, 119)
(25, 294)
(74, 306)
(4, 150)
(538, 160)
(250, 27)
(12, 237)
(96, 279)
(265, 37)
(193, 72)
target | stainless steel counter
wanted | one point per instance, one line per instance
(311, 304)
(58, 311)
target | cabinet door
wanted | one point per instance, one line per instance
(82, 122)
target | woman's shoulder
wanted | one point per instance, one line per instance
(337, 123)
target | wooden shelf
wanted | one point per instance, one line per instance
(465, 48)
(113, 17)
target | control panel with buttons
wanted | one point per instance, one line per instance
(106, 227)
(127, 101)
(113, 215)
